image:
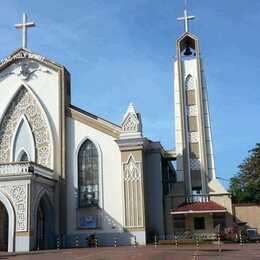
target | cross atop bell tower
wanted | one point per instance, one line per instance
(24, 26)
(186, 18)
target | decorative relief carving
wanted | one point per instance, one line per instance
(27, 69)
(194, 137)
(18, 195)
(131, 124)
(25, 104)
(133, 196)
(195, 164)
(22, 55)
(192, 110)
(132, 170)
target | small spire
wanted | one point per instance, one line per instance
(186, 18)
(130, 110)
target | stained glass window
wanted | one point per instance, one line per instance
(88, 178)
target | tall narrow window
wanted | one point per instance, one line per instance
(88, 178)
(23, 157)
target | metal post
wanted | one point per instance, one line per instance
(197, 242)
(219, 243)
(58, 243)
(241, 238)
(176, 241)
(135, 242)
(77, 242)
(115, 243)
(155, 241)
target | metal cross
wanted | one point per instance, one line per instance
(186, 19)
(24, 26)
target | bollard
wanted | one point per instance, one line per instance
(135, 243)
(176, 241)
(155, 241)
(96, 242)
(241, 239)
(58, 243)
(77, 242)
(197, 242)
(219, 243)
(115, 243)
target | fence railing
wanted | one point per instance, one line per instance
(25, 168)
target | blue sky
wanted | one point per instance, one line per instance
(119, 51)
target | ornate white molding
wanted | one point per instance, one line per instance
(192, 110)
(18, 195)
(132, 170)
(26, 69)
(21, 55)
(131, 124)
(133, 193)
(15, 169)
(24, 104)
(194, 137)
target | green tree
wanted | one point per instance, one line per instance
(245, 185)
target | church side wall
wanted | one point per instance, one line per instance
(111, 198)
(154, 194)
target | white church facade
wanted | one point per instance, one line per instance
(66, 174)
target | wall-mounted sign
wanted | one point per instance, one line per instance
(89, 221)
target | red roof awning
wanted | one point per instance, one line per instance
(198, 207)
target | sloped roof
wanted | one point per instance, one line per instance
(23, 53)
(198, 207)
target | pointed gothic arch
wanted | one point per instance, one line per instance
(43, 221)
(11, 220)
(189, 82)
(88, 175)
(23, 156)
(23, 133)
(25, 104)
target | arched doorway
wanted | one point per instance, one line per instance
(44, 224)
(3, 228)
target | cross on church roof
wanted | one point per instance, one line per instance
(186, 18)
(24, 26)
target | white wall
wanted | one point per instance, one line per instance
(110, 154)
(44, 84)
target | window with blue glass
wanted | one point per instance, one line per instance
(88, 175)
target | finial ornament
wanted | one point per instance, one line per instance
(186, 18)
(24, 26)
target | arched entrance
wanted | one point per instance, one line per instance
(44, 224)
(3, 228)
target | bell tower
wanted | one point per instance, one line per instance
(195, 160)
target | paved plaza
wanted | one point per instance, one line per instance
(229, 252)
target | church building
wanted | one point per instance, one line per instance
(66, 174)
